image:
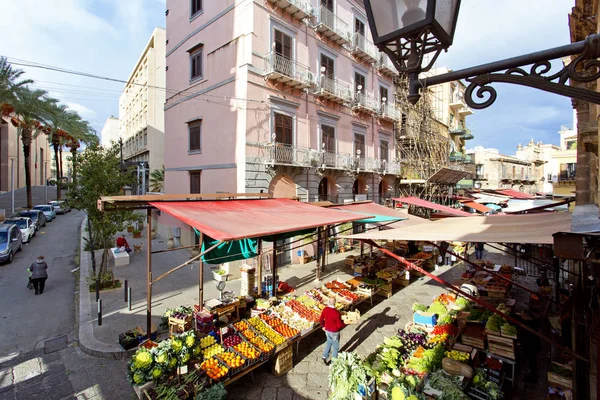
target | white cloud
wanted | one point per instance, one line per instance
(82, 110)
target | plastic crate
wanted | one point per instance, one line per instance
(233, 371)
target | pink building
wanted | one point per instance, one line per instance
(288, 97)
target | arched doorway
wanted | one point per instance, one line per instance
(282, 186)
(359, 189)
(324, 189)
(384, 191)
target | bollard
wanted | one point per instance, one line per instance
(129, 299)
(97, 290)
(125, 291)
(99, 312)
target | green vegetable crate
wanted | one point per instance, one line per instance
(557, 376)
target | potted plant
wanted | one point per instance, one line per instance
(128, 340)
(137, 233)
(130, 228)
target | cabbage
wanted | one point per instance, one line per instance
(142, 359)
(156, 373)
(190, 340)
(162, 358)
(177, 345)
(139, 377)
(172, 363)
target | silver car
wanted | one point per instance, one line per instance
(26, 226)
(60, 206)
(48, 211)
(10, 242)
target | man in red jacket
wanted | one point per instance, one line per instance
(331, 321)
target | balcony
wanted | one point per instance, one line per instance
(458, 130)
(296, 8)
(468, 136)
(469, 159)
(332, 27)
(463, 112)
(456, 156)
(281, 69)
(385, 66)
(285, 154)
(333, 90)
(365, 103)
(507, 177)
(364, 49)
(390, 112)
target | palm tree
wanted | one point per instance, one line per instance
(157, 179)
(27, 109)
(81, 132)
(9, 82)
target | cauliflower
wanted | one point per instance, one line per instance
(139, 377)
(177, 345)
(142, 360)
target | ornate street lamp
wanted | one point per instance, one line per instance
(407, 30)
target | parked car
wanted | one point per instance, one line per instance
(26, 226)
(37, 216)
(60, 206)
(48, 211)
(10, 242)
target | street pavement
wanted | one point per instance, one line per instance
(38, 196)
(39, 357)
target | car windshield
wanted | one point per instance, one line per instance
(21, 223)
(43, 208)
(3, 236)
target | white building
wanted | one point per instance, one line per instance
(110, 131)
(141, 105)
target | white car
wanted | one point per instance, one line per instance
(25, 225)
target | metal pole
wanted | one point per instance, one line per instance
(201, 278)
(318, 257)
(259, 268)
(46, 181)
(129, 299)
(125, 289)
(100, 312)
(12, 185)
(274, 276)
(97, 288)
(149, 272)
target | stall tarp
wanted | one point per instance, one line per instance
(476, 206)
(229, 251)
(434, 206)
(515, 194)
(239, 219)
(380, 213)
(527, 228)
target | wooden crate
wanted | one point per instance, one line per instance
(385, 290)
(504, 347)
(283, 361)
(560, 381)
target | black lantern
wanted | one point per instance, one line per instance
(406, 30)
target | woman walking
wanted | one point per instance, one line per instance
(39, 274)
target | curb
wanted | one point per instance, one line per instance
(87, 341)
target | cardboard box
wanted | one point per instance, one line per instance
(351, 317)
(424, 318)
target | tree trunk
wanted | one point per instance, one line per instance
(26, 140)
(55, 147)
(74, 162)
(92, 247)
(60, 160)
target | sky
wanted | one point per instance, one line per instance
(106, 37)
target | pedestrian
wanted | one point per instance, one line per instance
(39, 274)
(122, 244)
(331, 321)
(479, 250)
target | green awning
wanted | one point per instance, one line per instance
(228, 251)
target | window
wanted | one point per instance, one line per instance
(383, 150)
(328, 4)
(195, 181)
(195, 133)
(359, 144)
(283, 129)
(359, 27)
(383, 94)
(196, 7)
(196, 63)
(283, 44)
(328, 133)
(567, 171)
(329, 65)
(451, 119)
(479, 170)
(359, 80)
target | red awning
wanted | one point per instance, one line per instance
(476, 206)
(239, 219)
(370, 208)
(434, 206)
(515, 194)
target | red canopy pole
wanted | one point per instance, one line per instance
(201, 278)
(149, 272)
(274, 290)
(476, 300)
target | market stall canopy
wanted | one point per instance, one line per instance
(515, 194)
(528, 228)
(434, 206)
(476, 206)
(521, 205)
(447, 176)
(239, 219)
(485, 198)
(380, 213)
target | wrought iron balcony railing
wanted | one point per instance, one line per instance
(299, 9)
(390, 112)
(385, 65)
(363, 48)
(333, 89)
(364, 102)
(332, 26)
(283, 69)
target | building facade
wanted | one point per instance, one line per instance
(11, 148)
(141, 115)
(290, 99)
(110, 131)
(498, 171)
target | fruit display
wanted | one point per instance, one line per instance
(241, 325)
(307, 301)
(458, 355)
(212, 350)
(283, 287)
(300, 324)
(231, 341)
(247, 350)
(248, 334)
(261, 344)
(303, 311)
(263, 329)
(422, 256)
(333, 285)
(232, 359)
(286, 331)
(213, 368)
(318, 295)
(207, 341)
(351, 297)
